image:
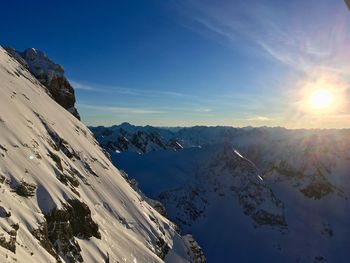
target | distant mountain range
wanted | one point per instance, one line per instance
(247, 194)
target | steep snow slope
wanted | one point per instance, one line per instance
(61, 198)
(299, 212)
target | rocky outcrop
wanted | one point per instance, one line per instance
(195, 251)
(50, 74)
(57, 234)
(9, 242)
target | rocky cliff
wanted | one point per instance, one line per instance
(50, 74)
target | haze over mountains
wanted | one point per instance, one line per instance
(249, 194)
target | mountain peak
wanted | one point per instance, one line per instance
(48, 73)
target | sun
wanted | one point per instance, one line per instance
(321, 99)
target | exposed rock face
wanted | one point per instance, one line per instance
(9, 244)
(72, 221)
(196, 252)
(50, 74)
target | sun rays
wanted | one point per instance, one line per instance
(321, 99)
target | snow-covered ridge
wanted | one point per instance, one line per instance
(127, 137)
(61, 198)
(50, 74)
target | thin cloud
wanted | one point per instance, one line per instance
(152, 93)
(204, 110)
(80, 86)
(339, 116)
(121, 110)
(301, 45)
(258, 119)
(104, 89)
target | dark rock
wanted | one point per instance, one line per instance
(320, 259)
(195, 251)
(81, 221)
(162, 248)
(25, 189)
(327, 230)
(263, 217)
(61, 236)
(57, 160)
(175, 144)
(317, 189)
(65, 224)
(11, 243)
(42, 235)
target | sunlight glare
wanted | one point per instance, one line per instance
(321, 99)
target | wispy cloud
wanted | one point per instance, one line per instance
(145, 92)
(204, 110)
(121, 110)
(80, 86)
(141, 111)
(302, 40)
(258, 119)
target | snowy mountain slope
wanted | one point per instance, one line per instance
(215, 193)
(61, 198)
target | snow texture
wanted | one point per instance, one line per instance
(52, 173)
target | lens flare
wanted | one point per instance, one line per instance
(321, 99)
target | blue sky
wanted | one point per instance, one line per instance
(184, 63)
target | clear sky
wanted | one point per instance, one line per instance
(195, 62)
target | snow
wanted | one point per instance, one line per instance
(28, 120)
(240, 155)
